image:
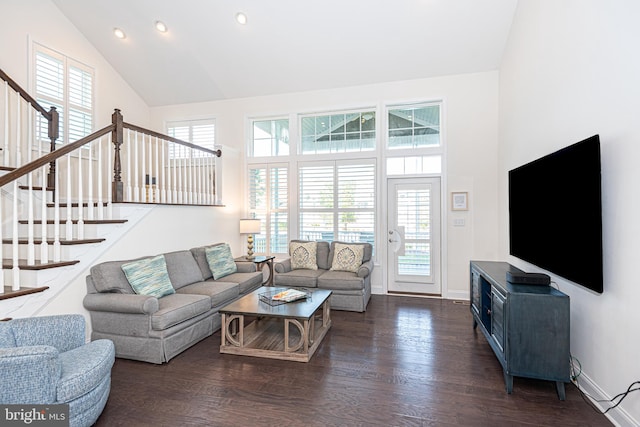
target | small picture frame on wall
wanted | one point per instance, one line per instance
(459, 201)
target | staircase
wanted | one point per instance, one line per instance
(62, 208)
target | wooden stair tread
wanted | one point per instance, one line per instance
(22, 264)
(35, 188)
(75, 205)
(75, 221)
(8, 293)
(37, 241)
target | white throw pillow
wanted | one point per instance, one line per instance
(303, 255)
(347, 257)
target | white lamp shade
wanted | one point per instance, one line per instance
(249, 226)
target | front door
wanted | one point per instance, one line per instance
(413, 236)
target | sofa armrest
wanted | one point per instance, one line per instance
(29, 374)
(365, 269)
(246, 266)
(121, 303)
(283, 266)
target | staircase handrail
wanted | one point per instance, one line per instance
(53, 156)
(133, 127)
(23, 93)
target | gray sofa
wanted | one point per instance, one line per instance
(154, 329)
(350, 291)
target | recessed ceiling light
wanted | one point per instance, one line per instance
(241, 18)
(119, 33)
(161, 26)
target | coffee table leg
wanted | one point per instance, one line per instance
(303, 338)
(233, 331)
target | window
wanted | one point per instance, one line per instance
(337, 201)
(68, 85)
(338, 133)
(199, 132)
(414, 126)
(269, 202)
(414, 165)
(270, 138)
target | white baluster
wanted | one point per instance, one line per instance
(156, 190)
(56, 216)
(174, 172)
(128, 177)
(69, 222)
(163, 172)
(100, 182)
(80, 227)
(15, 284)
(19, 134)
(144, 195)
(90, 205)
(31, 247)
(5, 151)
(44, 245)
(110, 169)
(136, 188)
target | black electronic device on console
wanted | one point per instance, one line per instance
(523, 278)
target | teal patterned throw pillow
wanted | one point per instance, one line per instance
(220, 261)
(149, 276)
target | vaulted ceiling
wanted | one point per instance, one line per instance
(288, 45)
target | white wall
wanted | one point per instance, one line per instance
(471, 134)
(24, 21)
(570, 70)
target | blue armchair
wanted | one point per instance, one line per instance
(44, 360)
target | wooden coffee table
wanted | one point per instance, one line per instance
(269, 333)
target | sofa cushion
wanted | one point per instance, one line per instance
(201, 259)
(149, 276)
(83, 368)
(219, 292)
(246, 281)
(347, 257)
(109, 277)
(303, 255)
(299, 278)
(183, 268)
(177, 308)
(340, 280)
(220, 261)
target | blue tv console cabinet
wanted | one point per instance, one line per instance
(527, 326)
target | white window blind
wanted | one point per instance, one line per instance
(337, 201)
(269, 202)
(199, 132)
(66, 84)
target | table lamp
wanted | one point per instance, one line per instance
(249, 226)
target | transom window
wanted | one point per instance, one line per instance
(270, 138)
(338, 132)
(414, 126)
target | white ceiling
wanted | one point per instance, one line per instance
(288, 45)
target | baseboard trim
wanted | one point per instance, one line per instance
(459, 295)
(618, 416)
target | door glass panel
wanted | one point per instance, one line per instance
(413, 207)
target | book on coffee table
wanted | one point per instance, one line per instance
(289, 295)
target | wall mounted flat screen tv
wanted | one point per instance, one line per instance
(555, 213)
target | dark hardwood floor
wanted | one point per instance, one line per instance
(405, 362)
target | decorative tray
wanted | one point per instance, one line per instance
(283, 296)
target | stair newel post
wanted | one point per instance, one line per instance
(53, 133)
(117, 136)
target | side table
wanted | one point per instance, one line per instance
(260, 261)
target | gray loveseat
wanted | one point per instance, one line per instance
(351, 291)
(154, 329)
